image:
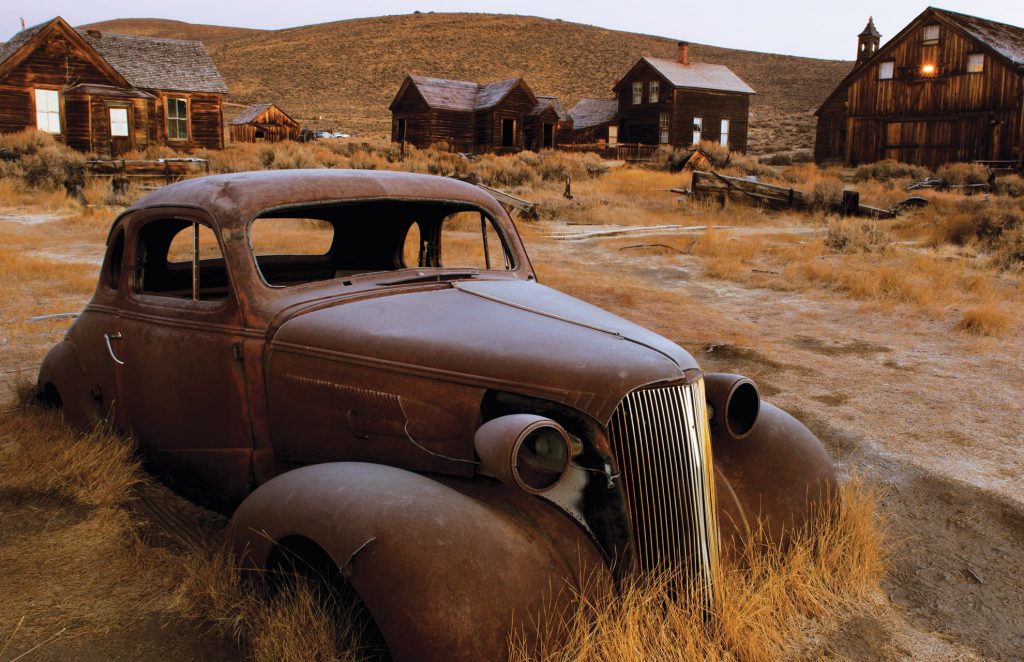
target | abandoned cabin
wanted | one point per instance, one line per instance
(593, 121)
(263, 122)
(109, 93)
(680, 103)
(948, 87)
(500, 117)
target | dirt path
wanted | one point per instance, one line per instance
(931, 415)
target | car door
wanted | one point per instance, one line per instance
(180, 380)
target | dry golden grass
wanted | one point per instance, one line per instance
(986, 319)
(769, 605)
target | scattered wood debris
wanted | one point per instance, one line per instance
(526, 209)
(942, 185)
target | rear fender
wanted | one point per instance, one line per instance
(446, 570)
(780, 475)
(62, 375)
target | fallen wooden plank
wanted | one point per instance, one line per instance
(53, 316)
(525, 208)
(628, 231)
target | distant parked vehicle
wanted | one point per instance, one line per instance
(323, 134)
(339, 134)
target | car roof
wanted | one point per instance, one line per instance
(235, 198)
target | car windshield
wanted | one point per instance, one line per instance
(306, 244)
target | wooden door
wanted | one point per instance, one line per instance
(120, 129)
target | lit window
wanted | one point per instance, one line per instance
(663, 119)
(119, 122)
(725, 133)
(638, 92)
(975, 63)
(885, 70)
(698, 127)
(930, 34)
(48, 111)
(653, 91)
(928, 70)
(613, 135)
(177, 119)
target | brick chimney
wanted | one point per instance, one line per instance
(684, 52)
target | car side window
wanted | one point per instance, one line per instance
(114, 259)
(181, 259)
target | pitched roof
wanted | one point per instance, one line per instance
(1005, 39)
(161, 64)
(460, 94)
(593, 112)
(145, 62)
(544, 102)
(699, 75)
(250, 113)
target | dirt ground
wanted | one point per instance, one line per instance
(931, 415)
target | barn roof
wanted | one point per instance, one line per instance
(1005, 39)
(593, 112)
(145, 62)
(251, 113)
(699, 75)
(545, 102)
(460, 94)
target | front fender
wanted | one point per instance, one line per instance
(779, 476)
(446, 570)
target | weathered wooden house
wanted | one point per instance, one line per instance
(547, 125)
(595, 121)
(504, 116)
(680, 103)
(110, 93)
(948, 87)
(263, 122)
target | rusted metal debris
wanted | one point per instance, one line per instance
(462, 442)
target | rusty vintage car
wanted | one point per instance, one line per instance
(366, 366)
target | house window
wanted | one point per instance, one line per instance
(663, 128)
(930, 34)
(48, 110)
(613, 135)
(638, 92)
(886, 69)
(975, 63)
(653, 91)
(725, 133)
(119, 122)
(177, 119)
(698, 128)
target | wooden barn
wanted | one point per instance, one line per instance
(680, 103)
(263, 122)
(595, 121)
(948, 87)
(108, 93)
(500, 117)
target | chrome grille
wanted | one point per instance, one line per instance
(663, 446)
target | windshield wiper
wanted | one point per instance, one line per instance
(426, 278)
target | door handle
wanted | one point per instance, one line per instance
(110, 348)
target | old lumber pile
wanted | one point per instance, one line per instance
(169, 170)
(725, 187)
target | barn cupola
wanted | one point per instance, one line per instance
(867, 41)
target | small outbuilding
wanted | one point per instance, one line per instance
(263, 122)
(547, 125)
(594, 121)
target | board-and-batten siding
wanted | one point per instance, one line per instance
(639, 123)
(515, 106)
(417, 115)
(274, 124)
(951, 116)
(205, 121)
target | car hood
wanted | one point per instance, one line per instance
(516, 336)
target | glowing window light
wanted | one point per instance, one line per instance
(928, 69)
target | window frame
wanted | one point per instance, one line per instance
(927, 31)
(127, 121)
(638, 92)
(723, 135)
(890, 67)
(664, 128)
(49, 112)
(653, 91)
(980, 66)
(698, 129)
(187, 118)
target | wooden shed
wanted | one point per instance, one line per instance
(595, 121)
(470, 117)
(948, 87)
(109, 93)
(547, 125)
(680, 103)
(263, 122)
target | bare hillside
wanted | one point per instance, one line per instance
(168, 29)
(344, 74)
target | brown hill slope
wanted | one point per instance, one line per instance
(343, 75)
(168, 29)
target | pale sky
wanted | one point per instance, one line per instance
(813, 28)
